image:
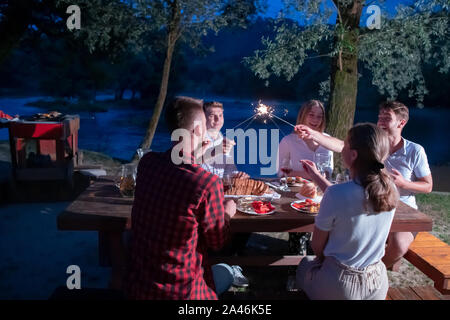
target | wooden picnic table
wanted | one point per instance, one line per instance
(101, 208)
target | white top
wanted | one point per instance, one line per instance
(221, 162)
(356, 239)
(291, 146)
(411, 161)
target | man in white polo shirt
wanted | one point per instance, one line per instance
(407, 164)
(409, 168)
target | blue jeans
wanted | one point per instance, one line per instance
(223, 277)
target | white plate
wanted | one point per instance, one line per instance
(244, 205)
(295, 184)
(302, 210)
(318, 198)
(251, 211)
(268, 196)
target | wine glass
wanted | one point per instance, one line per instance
(286, 168)
(227, 179)
(227, 182)
(322, 161)
(141, 152)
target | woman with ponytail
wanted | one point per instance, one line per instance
(353, 223)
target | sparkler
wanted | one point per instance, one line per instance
(263, 110)
(266, 112)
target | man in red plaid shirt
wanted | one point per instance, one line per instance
(178, 213)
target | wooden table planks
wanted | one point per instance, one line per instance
(100, 207)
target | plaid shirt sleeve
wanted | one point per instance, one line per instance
(215, 227)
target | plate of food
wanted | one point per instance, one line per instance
(296, 184)
(294, 181)
(255, 206)
(306, 206)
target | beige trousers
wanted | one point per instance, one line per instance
(332, 280)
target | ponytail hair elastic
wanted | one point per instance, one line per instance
(378, 166)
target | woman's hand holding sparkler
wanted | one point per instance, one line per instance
(305, 133)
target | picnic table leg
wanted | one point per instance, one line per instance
(103, 249)
(112, 253)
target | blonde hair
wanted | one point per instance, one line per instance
(372, 146)
(306, 108)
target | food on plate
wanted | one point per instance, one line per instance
(262, 206)
(301, 180)
(307, 206)
(309, 190)
(247, 187)
(290, 180)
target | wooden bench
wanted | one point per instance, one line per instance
(431, 256)
(415, 293)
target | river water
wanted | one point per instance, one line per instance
(119, 131)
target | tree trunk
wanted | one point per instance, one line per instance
(344, 75)
(147, 141)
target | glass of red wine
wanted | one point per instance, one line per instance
(286, 168)
(227, 184)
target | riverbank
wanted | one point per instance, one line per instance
(441, 173)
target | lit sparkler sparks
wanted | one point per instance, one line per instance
(263, 110)
(266, 111)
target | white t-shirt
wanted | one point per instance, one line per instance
(356, 239)
(291, 146)
(221, 162)
(411, 161)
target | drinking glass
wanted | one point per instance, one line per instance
(127, 180)
(286, 168)
(322, 161)
(141, 152)
(227, 182)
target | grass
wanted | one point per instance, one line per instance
(437, 205)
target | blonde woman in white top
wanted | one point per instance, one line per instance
(312, 114)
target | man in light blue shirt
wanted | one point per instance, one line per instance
(409, 167)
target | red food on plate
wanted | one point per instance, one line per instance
(262, 206)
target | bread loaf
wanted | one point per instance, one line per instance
(247, 187)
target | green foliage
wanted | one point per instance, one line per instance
(284, 55)
(396, 54)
